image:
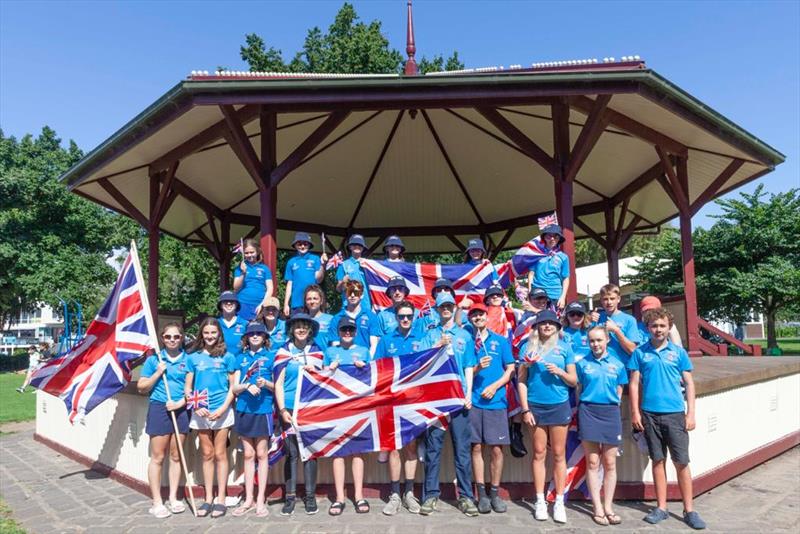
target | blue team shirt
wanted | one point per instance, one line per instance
(644, 333)
(350, 267)
(324, 320)
(599, 379)
(579, 341)
(550, 272)
(176, 376)
(499, 349)
(254, 286)
(211, 373)
(301, 271)
(396, 344)
(387, 322)
(662, 373)
(292, 372)
(346, 356)
(366, 326)
(628, 326)
(233, 334)
(543, 387)
(277, 336)
(246, 402)
(462, 348)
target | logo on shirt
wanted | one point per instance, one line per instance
(493, 345)
(671, 356)
(309, 264)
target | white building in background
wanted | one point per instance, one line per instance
(34, 327)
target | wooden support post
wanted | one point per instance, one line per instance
(687, 256)
(152, 250)
(563, 189)
(225, 256)
(269, 195)
(612, 252)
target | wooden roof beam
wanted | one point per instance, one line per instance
(715, 186)
(123, 201)
(680, 193)
(528, 147)
(594, 126)
(242, 147)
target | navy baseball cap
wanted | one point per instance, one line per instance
(346, 322)
(575, 307)
(493, 290)
(537, 293)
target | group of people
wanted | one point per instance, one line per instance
(249, 361)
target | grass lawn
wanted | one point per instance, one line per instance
(789, 345)
(15, 406)
(7, 524)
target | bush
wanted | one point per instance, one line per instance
(14, 363)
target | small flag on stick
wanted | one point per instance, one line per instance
(198, 399)
(548, 220)
(334, 261)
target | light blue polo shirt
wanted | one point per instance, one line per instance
(347, 356)
(550, 272)
(579, 341)
(176, 376)
(246, 402)
(232, 334)
(397, 344)
(325, 325)
(254, 286)
(277, 336)
(350, 267)
(499, 349)
(544, 387)
(298, 359)
(628, 326)
(462, 347)
(662, 374)
(366, 326)
(301, 271)
(599, 379)
(211, 373)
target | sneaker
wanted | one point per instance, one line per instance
(498, 504)
(467, 507)
(656, 515)
(429, 506)
(393, 506)
(559, 512)
(288, 506)
(484, 504)
(20, 390)
(540, 511)
(693, 520)
(411, 503)
(311, 505)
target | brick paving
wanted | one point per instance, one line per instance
(49, 493)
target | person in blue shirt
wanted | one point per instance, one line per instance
(545, 376)
(651, 302)
(276, 327)
(350, 269)
(300, 350)
(599, 390)
(476, 254)
(393, 248)
(252, 280)
(658, 370)
(397, 290)
(315, 306)
(232, 324)
(366, 321)
(489, 414)
(620, 326)
(354, 357)
(551, 273)
(302, 270)
(576, 328)
(253, 389)
(405, 339)
(462, 349)
(210, 368)
(170, 363)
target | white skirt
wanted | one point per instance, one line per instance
(202, 423)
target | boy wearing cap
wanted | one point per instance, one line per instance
(552, 271)
(662, 367)
(462, 348)
(302, 270)
(350, 269)
(621, 327)
(233, 326)
(651, 302)
(489, 414)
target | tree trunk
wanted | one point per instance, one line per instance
(772, 338)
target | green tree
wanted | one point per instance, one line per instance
(747, 262)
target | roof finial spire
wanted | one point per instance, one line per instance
(411, 64)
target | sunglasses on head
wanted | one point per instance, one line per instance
(405, 316)
(171, 336)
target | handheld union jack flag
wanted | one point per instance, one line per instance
(379, 407)
(312, 355)
(100, 364)
(547, 220)
(253, 370)
(198, 399)
(334, 261)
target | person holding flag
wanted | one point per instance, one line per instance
(545, 376)
(302, 270)
(350, 269)
(397, 290)
(489, 414)
(252, 280)
(253, 389)
(394, 248)
(170, 363)
(551, 272)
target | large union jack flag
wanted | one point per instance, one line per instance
(100, 365)
(528, 255)
(379, 407)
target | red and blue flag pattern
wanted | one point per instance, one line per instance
(198, 399)
(576, 459)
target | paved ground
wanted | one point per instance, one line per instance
(50, 493)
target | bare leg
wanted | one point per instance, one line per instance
(660, 482)
(207, 452)
(249, 470)
(609, 478)
(175, 469)
(394, 465)
(496, 466)
(338, 478)
(592, 452)
(221, 459)
(558, 444)
(410, 464)
(685, 484)
(477, 464)
(158, 450)
(539, 440)
(357, 466)
(262, 452)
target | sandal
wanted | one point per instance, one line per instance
(176, 507)
(159, 512)
(262, 512)
(600, 520)
(362, 506)
(242, 510)
(204, 509)
(218, 510)
(336, 508)
(613, 519)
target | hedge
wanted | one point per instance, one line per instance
(13, 363)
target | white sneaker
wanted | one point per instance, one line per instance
(540, 510)
(559, 512)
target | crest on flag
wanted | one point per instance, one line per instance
(100, 365)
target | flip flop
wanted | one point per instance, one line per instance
(204, 509)
(176, 507)
(336, 508)
(600, 520)
(218, 508)
(362, 506)
(613, 519)
(242, 510)
(159, 512)
(264, 512)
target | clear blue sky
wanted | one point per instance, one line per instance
(86, 68)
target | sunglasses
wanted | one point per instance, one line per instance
(271, 310)
(256, 334)
(355, 294)
(169, 337)
(405, 316)
(348, 330)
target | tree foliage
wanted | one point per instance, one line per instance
(747, 262)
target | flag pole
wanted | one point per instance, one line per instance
(151, 325)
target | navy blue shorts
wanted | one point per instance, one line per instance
(489, 426)
(551, 414)
(253, 425)
(665, 431)
(600, 423)
(159, 423)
